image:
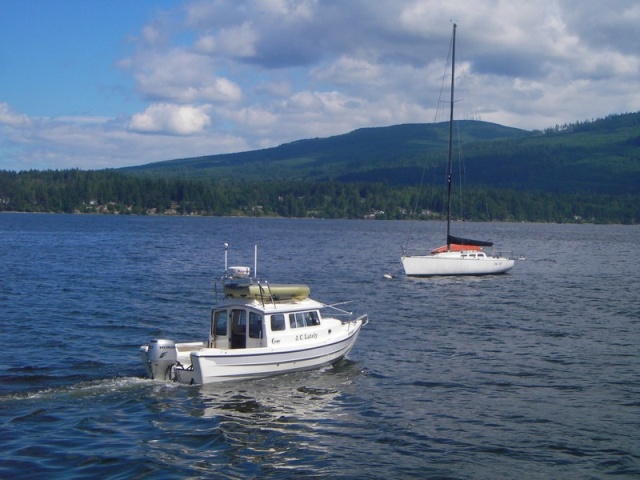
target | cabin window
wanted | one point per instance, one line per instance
(277, 322)
(220, 324)
(296, 320)
(255, 325)
(303, 319)
(239, 324)
(311, 319)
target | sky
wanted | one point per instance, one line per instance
(93, 84)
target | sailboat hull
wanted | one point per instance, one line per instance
(455, 263)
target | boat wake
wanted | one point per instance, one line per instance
(89, 388)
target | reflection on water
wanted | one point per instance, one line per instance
(264, 426)
(303, 397)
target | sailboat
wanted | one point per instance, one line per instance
(460, 256)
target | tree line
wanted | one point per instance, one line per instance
(609, 123)
(112, 192)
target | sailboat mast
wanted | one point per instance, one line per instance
(453, 72)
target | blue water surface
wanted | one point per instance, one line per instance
(532, 374)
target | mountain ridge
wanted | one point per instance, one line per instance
(600, 156)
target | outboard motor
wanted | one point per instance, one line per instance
(161, 356)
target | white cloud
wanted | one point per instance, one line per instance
(349, 70)
(254, 118)
(11, 118)
(181, 76)
(237, 41)
(171, 119)
(94, 143)
(383, 55)
(150, 34)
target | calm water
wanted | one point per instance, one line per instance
(534, 374)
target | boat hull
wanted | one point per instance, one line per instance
(211, 365)
(455, 263)
(210, 368)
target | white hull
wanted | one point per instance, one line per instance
(455, 263)
(322, 346)
(211, 365)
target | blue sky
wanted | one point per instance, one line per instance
(59, 58)
(96, 84)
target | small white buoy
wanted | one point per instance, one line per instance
(387, 276)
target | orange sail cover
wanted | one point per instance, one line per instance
(455, 248)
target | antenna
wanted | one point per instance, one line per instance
(255, 261)
(226, 246)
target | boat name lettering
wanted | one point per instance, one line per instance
(307, 336)
(275, 340)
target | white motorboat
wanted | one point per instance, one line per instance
(460, 256)
(257, 329)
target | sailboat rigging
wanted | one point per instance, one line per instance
(460, 256)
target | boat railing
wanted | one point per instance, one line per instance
(345, 316)
(336, 310)
(490, 251)
(413, 252)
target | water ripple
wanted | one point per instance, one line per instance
(534, 374)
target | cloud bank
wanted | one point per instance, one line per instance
(220, 76)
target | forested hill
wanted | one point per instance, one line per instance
(349, 157)
(601, 156)
(583, 172)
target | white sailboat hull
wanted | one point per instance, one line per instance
(455, 263)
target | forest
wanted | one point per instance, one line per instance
(113, 192)
(582, 172)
